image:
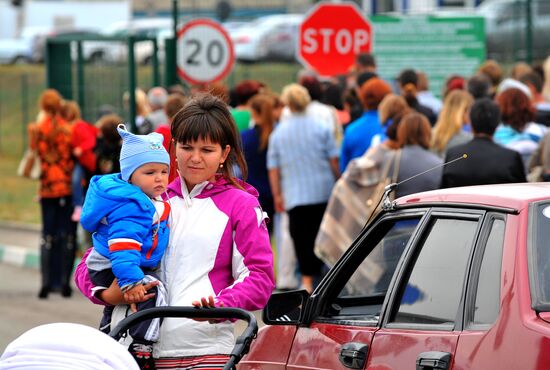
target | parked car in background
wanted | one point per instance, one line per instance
(39, 49)
(21, 49)
(272, 37)
(117, 51)
(448, 279)
(232, 26)
(506, 28)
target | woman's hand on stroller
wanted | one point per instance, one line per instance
(207, 303)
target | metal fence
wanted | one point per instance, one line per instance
(21, 86)
(517, 30)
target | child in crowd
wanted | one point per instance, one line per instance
(83, 142)
(129, 222)
(108, 145)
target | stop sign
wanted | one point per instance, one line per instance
(331, 36)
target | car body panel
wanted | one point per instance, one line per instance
(319, 345)
(397, 349)
(514, 196)
(15, 50)
(21, 49)
(498, 346)
(270, 350)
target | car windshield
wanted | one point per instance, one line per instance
(539, 256)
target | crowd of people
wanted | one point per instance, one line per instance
(246, 165)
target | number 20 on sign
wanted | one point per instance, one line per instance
(204, 52)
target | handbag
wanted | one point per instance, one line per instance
(535, 175)
(29, 166)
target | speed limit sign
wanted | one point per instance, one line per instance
(204, 52)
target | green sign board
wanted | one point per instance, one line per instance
(437, 46)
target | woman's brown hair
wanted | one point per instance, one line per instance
(70, 111)
(414, 129)
(208, 118)
(372, 92)
(51, 101)
(263, 105)
(516, 108)
(391, 106)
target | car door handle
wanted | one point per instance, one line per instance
(354, 355)
(433, 360)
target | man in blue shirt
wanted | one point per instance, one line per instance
(359, 133)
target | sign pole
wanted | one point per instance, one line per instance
(175, 29)
(529, 31)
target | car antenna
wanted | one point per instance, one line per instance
(388, 205)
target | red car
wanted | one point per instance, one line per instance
(448, 279)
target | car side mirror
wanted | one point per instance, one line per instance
(285, 308)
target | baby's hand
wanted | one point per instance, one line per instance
(136, 294)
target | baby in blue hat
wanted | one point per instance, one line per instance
(129, 222)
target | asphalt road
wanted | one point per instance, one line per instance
(21, 236)
(21, 310)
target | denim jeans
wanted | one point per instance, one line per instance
(76, 183)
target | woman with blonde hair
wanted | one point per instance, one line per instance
(83, 143)
(143, 125)
(448, 130)
(302, 161)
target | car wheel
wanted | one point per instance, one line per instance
(19, 60)
(96, 58)
(148, 60)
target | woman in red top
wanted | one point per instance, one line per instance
(83, 142)
(57, 245)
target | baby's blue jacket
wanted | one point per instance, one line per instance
(120, 216)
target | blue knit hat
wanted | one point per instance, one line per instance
(138, 150)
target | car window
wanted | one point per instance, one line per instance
(539, 256)
(433, 289)
(375, 272)
(363, 294)
(487, 300)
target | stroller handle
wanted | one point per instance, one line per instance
(242, 344)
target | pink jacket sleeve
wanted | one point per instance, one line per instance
(83, 282)
(253, 265)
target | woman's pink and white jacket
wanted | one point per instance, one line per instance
(219, 245)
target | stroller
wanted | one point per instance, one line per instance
(242, 344)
